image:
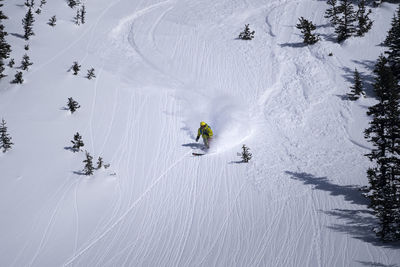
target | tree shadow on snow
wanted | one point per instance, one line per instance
(358, 223)
(294, 45)
(17, 35)
(376, 264)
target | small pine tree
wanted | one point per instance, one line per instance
(5, 48)
(246, 155)
(2, 16)
(83, 14)
(11, 63)
(345, 25)
(77, 17)
(5, 139)
(364, 22)
(76, 68)
(100, 163)
(357, 88)
(25, 63)
(77, 142)
(18, 78)
(26, 47)
(72, 3)
(38, 11)
(306, 28)
(52, 21)
(332, 12)
(90, 74)
(42, 3)
(88, 169)
(29, 3)
(27, 22)
(72, 105)
(246, 34)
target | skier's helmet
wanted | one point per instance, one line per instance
(202, 124)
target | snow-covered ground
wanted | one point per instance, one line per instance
(162, 67)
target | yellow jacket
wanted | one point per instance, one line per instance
(205, 132)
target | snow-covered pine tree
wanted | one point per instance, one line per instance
(77, 142)
(52, 21)
(345, 24)
(5, 139)
(77, 17)
(364, 22)
(100, 163)
(42, 3)
(246, 34)
(88, 169)
(357, 88)
(72, 105)
(332, 12)
(90, 74)
(25, 63)
(76, 68)
(27, 23)
(38, 11)
(306, 28)
(393, 43)
(83, 14)
(384, 134)
(246, 155)
(11, 63)
(18, 78)
(26, 47)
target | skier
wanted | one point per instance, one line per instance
(205, 132)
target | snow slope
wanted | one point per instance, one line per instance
(162, 67)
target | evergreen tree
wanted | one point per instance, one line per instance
(364, 22)
(99, 163)
(246, 34)
(77, 142)
(357, 88)
(345, 25)
(29, 3)
(88, 169)
(27, 22)
(306, 28)
(5, 50)
(76, 68)
(42, 3)
(77, 17)
(90, 74)
(5, 139)
(246, 155)
(83, 14)
(2, 16)
(26, 47)
(52, 21)
(72, 105)
(25, 63)
(384, 134)
(11, 63)
(38, 11)
(18, 78)
(72, 3)
(332, 12)
(393, 43)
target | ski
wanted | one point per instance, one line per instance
(198, 154)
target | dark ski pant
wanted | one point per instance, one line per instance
(206, 141)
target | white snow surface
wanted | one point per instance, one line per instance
(162, 67)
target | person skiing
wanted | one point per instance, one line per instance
(205, 132)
